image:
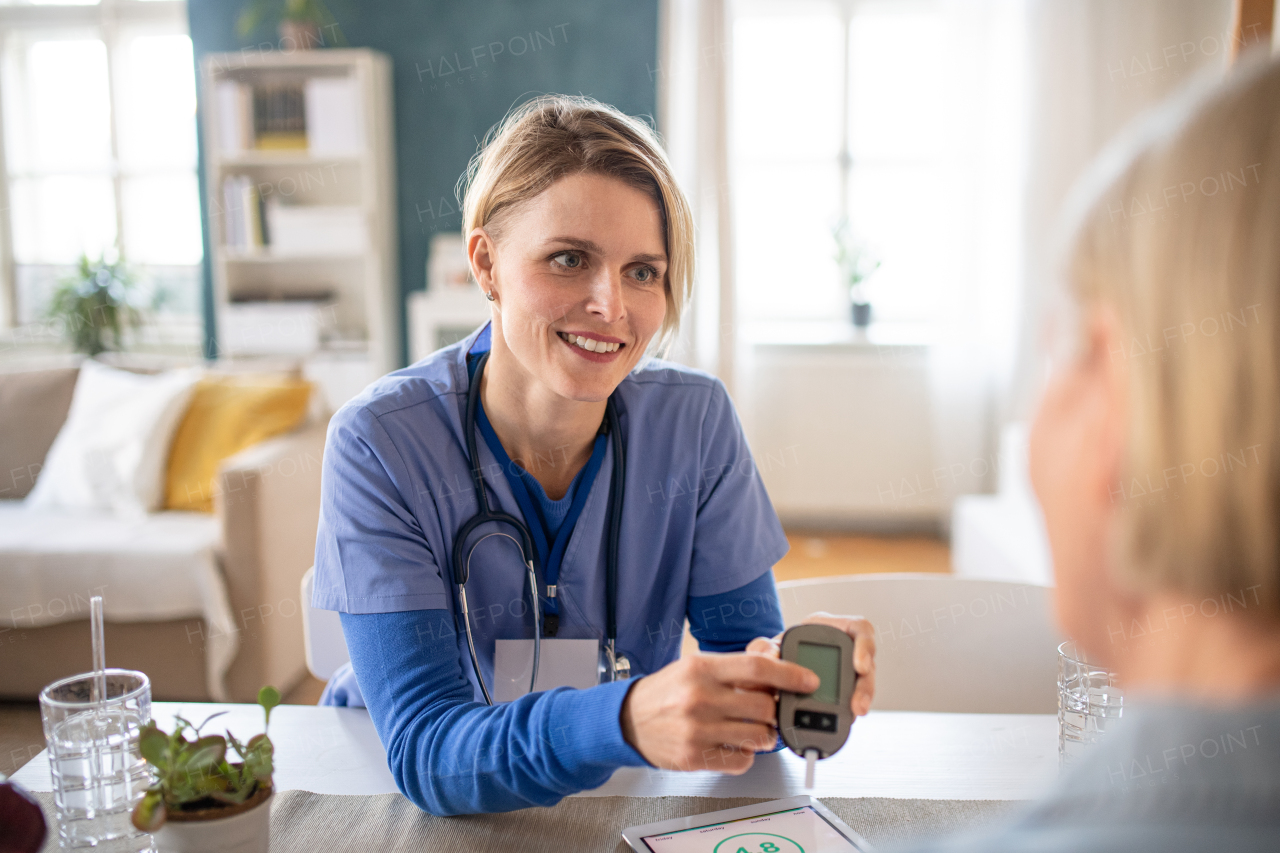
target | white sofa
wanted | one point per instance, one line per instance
(205, 604)
(1001, 536)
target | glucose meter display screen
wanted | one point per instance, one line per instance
(800, 830)
(825, 661)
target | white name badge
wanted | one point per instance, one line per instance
(561, 663)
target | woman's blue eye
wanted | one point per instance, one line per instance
(572, 260)
(646, 274)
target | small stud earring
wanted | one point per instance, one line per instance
(489, 295)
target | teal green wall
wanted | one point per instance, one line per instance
(603, 48)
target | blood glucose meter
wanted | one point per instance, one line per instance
(815, 725)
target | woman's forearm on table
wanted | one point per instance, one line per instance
(452, 755)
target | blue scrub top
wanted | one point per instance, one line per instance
(550, 523)
(396, 488)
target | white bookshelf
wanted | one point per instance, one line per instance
(361, 324)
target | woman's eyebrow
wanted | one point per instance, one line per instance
(594, 248)
(584, 245)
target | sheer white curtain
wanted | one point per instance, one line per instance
(952, 86)
(693, 103)
(1095, 65)
(975, 307)
(1055, 81)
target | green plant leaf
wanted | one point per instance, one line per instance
(236, 745)
(206, 721)
(258, 760)
(268, 698)
(206, 752)
(154, 746)
(206, 783)
(149, 814)
(234, 797)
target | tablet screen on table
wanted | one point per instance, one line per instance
(804, 827)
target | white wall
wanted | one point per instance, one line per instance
(842, 433)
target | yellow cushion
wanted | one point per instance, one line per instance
(227, 414)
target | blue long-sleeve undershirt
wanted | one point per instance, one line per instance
(452, 755)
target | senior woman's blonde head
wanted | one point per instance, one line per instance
(1184, 245)
(553, 136)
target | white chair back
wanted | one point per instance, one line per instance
(322, 633)
(945, 643)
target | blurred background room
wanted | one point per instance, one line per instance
(221, 219)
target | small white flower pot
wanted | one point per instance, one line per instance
(246, 831)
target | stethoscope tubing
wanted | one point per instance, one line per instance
(462, 564)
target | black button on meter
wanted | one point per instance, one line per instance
(815, 725)
(816, 721)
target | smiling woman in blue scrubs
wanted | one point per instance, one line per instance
(581, 240)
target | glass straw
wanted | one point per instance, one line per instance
(99, 650)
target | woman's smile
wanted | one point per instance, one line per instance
(601, 349)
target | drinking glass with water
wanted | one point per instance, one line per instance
(91, 723)
(1089, 703)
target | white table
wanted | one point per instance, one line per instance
(889, 754)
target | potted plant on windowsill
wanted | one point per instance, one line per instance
(200, 802)
(857, 264)
(96, 304)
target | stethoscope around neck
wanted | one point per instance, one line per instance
(618, 666)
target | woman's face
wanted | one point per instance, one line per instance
(1076, 445)
(580, 275)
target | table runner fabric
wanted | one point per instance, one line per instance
(303, 822)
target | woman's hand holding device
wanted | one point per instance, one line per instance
(714, 712)
(840, 649)
(863, 634)
(710, 712)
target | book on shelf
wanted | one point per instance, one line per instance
(316, 229)
(279, 117)
(244, 220)
(321, 116)
(235, 116)
(335, 119)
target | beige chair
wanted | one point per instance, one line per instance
(326, 645)
(946, 643)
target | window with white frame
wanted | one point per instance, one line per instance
(99, 154)
(885, 113)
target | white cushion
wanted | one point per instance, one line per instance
(148, 568)
(112, 450)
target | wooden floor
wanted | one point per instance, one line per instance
(812, 555)
(818, 555)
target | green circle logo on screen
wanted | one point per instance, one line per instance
(757, 842)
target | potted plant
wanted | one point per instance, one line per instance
(857, 263)
(95, 304)
(300, 22)
(200, 802)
